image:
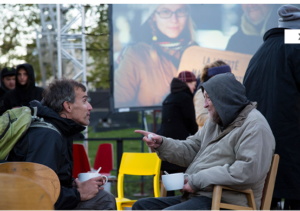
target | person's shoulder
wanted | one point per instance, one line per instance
(185, 94)
(256, 119)
(199, 94)
(140, 45)
(9, 94)
(134, 51)
(44, 135)
(2, 92)
(39, 89)
(137, 48)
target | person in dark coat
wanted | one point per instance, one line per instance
(272, 79)
(178, 115)
(65, 106)
(8, 81)
(25, 90)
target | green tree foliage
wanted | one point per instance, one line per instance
(17, 33)
(18, 40)
(97, 44)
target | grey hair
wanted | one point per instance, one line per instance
(59, 91)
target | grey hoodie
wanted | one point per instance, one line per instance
(227, 95)
(238, 157)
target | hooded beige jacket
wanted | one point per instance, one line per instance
(200, 112)
(238, 157)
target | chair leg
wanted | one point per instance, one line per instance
(216, 199)
(251, 201)
(163, 191)
(119, 206)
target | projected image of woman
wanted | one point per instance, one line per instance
(147, 67)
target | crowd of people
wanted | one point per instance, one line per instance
(225, 134)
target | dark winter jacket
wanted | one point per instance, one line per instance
(48, 147)
(272, 80)
(2, 92)
(22, 95)
(178, 115)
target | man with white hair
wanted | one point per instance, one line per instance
(234, 148)
(272, 80)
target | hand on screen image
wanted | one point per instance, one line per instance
(147, 67)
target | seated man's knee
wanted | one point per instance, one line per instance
(107, 194)
(141, 204)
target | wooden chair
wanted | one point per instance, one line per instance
(144, 164)
(20, 193)
(39, 173)
(163, 191)
(266, 197)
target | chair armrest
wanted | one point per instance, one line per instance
(217, 194)
(247, 191)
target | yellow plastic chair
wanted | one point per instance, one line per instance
(143, 164)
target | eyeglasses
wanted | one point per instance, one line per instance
(165, 13)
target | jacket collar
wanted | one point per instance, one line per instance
(273, 31)
(68, 127)
(243, 115)
(238, 122)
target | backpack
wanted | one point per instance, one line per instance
(14, 124)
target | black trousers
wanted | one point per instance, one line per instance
(102, 201)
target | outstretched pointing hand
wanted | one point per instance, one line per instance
(156, 139)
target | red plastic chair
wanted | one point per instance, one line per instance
(104, 158)
(81, 162)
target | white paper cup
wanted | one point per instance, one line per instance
(173, 181)
(86, 176)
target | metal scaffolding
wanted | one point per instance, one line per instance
(46, 39)
(63, 43)
(54, 43)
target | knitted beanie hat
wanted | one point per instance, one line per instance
(187, 76)
(289, 17)
(218, 70)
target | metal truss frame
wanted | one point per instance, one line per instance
(63, 44)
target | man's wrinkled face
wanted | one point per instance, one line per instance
(213, 114)
(80, 109)
(9, 81)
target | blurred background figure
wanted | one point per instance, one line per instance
(25, 90)
(255, 21)
(8, 81)
(272, 80)
(209, 70)
(147, 67)
(178, 115)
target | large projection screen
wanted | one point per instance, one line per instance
(151, 44)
